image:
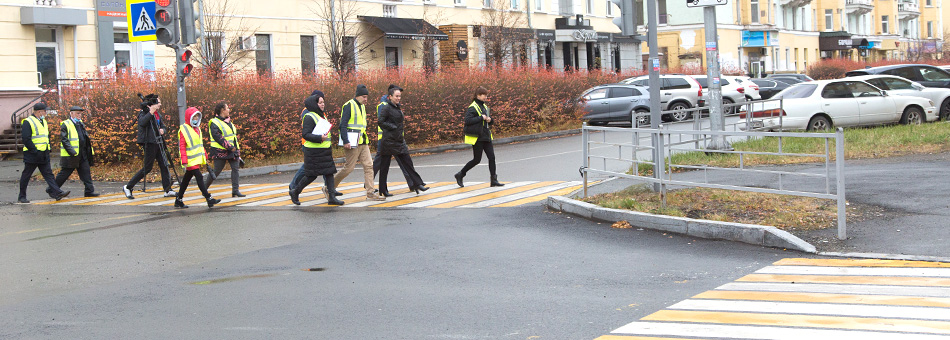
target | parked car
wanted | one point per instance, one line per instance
(732, 93)
(823, 104)
(946, 68)
(800, 78)
(751, 89)
(677, 92)
(926, 75)
(895, 85)
(614, 103)
(769, 87)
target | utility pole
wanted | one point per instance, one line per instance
(717, 121)
(654, 82)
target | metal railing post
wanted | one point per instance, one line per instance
(839, 165)
(584, 139)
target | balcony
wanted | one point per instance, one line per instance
(859, 7)
(907, 10)
(794, 3)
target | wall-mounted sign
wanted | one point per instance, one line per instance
(575, 35)
(461, 50)
(704, 3)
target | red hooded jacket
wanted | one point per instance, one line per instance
(182, 144)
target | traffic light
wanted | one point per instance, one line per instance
(166, 29)
(183, 64)
(627, 21)
(190, 32)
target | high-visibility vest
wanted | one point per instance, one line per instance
(194, 148)
(470, 140)
(227, 133)
(379, 130)
(357, 120)
(73, 137)
(308, 144)
(40, 135)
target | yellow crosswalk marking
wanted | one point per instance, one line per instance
(795, 320)
(493, 195)
(425, 197)
(218, 189)
(861, 280)
(892, 300)
(859, 263)
(311, 189)
(533, 199)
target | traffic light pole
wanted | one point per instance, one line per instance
(180, 84)
(654, 82)
(717, 120)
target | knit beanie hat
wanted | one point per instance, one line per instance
(361, 90)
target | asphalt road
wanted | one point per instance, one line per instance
(236, 272)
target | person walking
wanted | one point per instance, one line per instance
(355, 141)
(75, 153)
(193, 156)
(317, 155)
(151, 131)
(478, 134)
(300, 171)
(224, 147)
(393, 144)
(35, 134)
(379, 143)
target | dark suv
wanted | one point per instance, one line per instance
(926, 75)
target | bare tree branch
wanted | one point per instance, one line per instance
(500, 32)
(344, 36)
(215, 55)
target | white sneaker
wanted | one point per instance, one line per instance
(171, 193)
(128, 193)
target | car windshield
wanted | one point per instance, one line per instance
(797, 91)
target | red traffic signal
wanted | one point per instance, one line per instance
(185, 71)
(185, 56)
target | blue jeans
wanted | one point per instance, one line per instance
(296, 179)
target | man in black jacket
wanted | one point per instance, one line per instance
(76, 152)
(150, 129)
(35, 134)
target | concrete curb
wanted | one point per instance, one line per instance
(263, 170)
(747, 233)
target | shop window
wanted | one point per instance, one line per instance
(538, 5)
(930, 29)
(514, 4)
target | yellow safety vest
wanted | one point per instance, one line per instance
(194, 148)
(379, 130)
(357, 120)
(227, 133)
(308, 144)
(470, 140)
(40, 135)
(73, 136)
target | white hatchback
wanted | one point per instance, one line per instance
(823, 104)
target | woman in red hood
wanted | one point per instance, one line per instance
(193, 156)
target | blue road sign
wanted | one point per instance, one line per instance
(141, 20)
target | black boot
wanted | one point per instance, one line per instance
(180, 204)
(294, 196)
(330, 193)
(495, 182)
(212, 201)
(237, 193)
(458, 179)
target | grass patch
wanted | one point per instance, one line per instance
(789, 213)
(860, 143)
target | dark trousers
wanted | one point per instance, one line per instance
(296, 179)
(152, 153)
(198, 180)
(477, 149)
(378, 158)
(405, 163)
(47, 173)
(85, 175)
(303, 181)
(218, 166)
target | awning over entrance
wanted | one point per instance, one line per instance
(838, 40)
(410, 29)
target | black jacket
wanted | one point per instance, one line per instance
(392, 122)
(230, 151)
(475, 125)
(85, 147)
(32, 155)
(316, 161)
(146, 130)
(345, 122)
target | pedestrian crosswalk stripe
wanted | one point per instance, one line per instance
(802, 299)
(870, 280)
(624, 337)
(439, 195)
(826, 297)
(860, 263)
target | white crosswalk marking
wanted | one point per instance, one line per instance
(813, 299)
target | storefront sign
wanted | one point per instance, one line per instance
(461, 50)
(845, 42)
(759, 38)
(110, 10)
(575, 35)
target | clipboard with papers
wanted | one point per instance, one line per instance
(353, 137)
(322, 128)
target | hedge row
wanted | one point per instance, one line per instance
(266, 110)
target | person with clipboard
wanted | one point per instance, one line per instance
(355, 141)
(317, 155)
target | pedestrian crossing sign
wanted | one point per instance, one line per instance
(141, 19)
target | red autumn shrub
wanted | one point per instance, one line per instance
(266, 109)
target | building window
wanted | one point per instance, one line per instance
(590, 6)
(788, 58)
(805, 59)
(610, 8)
(487, 4)
(829, 20)
(796, 59)
(262, 54)
(930, 29)
(389, 11)
(459, 2)
(308, 54)
(539, 5)
(929, 3)
(514, 4)
(754, 11)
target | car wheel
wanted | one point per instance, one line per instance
(679, 116)
(728, 110)
(819, 123)
(945, 109)
(643, 120)
(912, 115)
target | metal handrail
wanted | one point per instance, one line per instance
(15, 115)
